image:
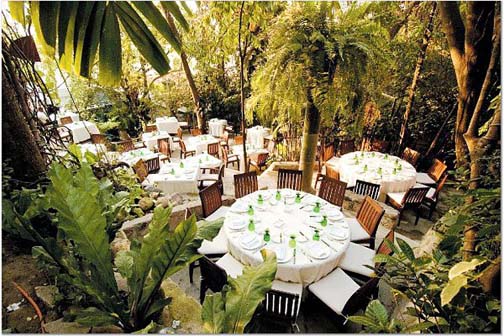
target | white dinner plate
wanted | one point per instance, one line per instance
(317, 250)
(237, 223)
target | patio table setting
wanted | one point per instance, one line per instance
(151, 138)
(82, 130)
(182, 177)
(167, 124)
(391, 172)
(252, 152)
(200, 143)
(217, 126)
(132, 157)
(308, 234)
(256, 135)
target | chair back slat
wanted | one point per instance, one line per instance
(328, 152)
(150, 128)
(164, 146)
(213, 149)
(437, 170)
(369, 215)
(245, 184)
(332, 191)
(66, 120)
(125, 146)
(281, 304)
(411, 156)
(179, 133)
(214, 276)
(211, 198)
(383, 248)
(347, 146)
(183, 148)
(140, 170)
(415, 196)
(152, 164)
(367, 189)
(291, 179)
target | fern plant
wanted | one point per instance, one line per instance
(81, 248)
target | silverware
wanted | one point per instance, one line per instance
(332, 248)
(306, 255)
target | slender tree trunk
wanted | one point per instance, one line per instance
(310, 139)
(440, 131)
(416, 76)
(242, 52)
(19, 145)
(190, 79)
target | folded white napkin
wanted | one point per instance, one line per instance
(336, 232)
(249, 240)
(317, 251)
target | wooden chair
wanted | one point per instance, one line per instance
(140, 169)
(330, 172)
(65, 134)
(215, 175)
(245, 184)
(184, 152)
(412, 199)
(176, 139)
(431, 199)
(66, 120)
(229, 158)
(150, 128)
(332, 191)
(213, 149)
(260, 162)
(288, 178)
(367, 189)
(125, 145)
(281, 307)
(357, 259)
(346, 146)
(225, 140)
(411, 156)
(363, 227)
(342, 294)
(152, 165)
(164, 148)
(433, 175)
(196, 132)
(238, 140)
(213, 277)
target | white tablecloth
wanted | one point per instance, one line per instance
(288, 219)
(200, 143)
(403, 179)
(182, 179)
(79, 131)
(256, 135)
(252, 153)
(151, 139)
(132, 157)
(217, 126)
(169, 125)
(93, 148)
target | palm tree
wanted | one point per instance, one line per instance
(309, 44)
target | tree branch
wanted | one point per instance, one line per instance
(395, 28)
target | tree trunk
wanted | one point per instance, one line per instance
(242, 52)
(190, 79)
(310, 139)
(440, 131)
(19, 145)
(416, 76)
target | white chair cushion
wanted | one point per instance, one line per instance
(424, 178)
(397, 196)
(430, 194)
(357, 232)
(219, 244)
(232, 266)
(214, 177)
(355, 259)
(335, 289)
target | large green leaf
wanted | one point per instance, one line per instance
(94, 317)
(376, 311)
(173, 8)
(463, 266)
(87, 37)
(152, 13)
(142, 37)
(406, 249)
(16, 9)
(66, 33)
(110, 48)
(213, 314)
(247, 291)
(45, 16)
(452, 288)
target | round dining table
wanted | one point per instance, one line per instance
(200, 143)
(308, 234)
(216, 127)
(392, 173)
